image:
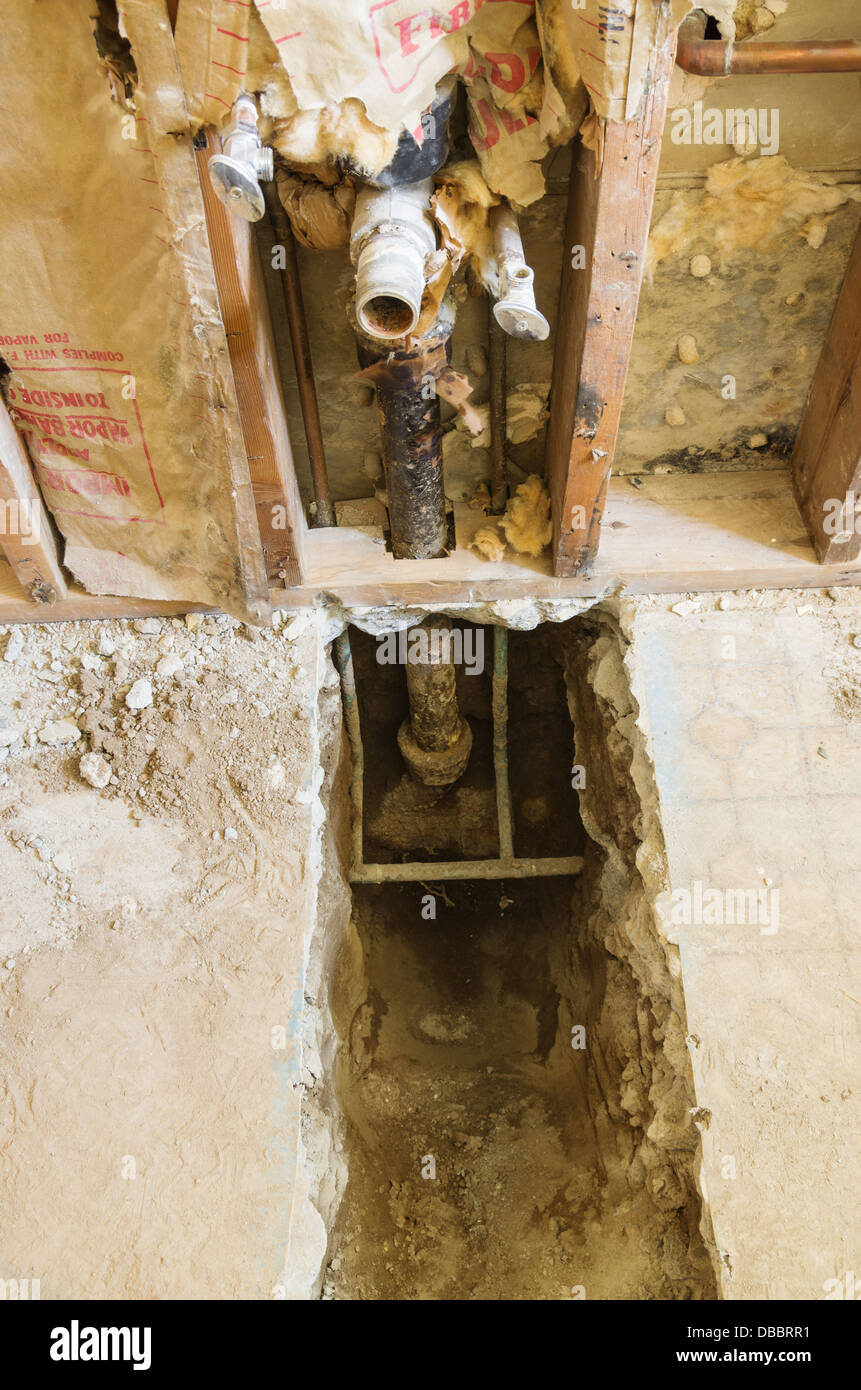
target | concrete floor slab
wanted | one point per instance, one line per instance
(754, 730)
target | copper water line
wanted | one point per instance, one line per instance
(719, 58)
(298, 326)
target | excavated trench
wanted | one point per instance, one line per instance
(513, 1081)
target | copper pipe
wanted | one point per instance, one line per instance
(298, 326)
(497, 355)
(715, 58)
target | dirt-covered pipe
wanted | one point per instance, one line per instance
(411, 438)
(435, 741)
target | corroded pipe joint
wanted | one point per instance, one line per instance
(435, 769)
(393, 233)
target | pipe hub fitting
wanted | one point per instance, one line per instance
(393, 234)
(435, 768)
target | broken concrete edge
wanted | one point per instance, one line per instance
(320, 1166)
(653, 867)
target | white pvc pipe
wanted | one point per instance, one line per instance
(392, 235)
(515, 311)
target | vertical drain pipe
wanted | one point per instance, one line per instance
(392, 237)
(350, 700)
(435, 742)
(409, 415)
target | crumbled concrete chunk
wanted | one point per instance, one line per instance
(15, 645)
(296, 625)
(59, 731)
(140, 695)
(95, 769)
(169, 665)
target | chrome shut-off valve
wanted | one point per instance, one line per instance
(237, 171)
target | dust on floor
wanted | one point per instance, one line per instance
(152, 937)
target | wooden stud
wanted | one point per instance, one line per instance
(30, 548)
(609, 211)
(826, 460)
(245, 313)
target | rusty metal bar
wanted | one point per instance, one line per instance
(301, 346)
(438, 870)
(506, 866)
(344, 662)
(500, 743)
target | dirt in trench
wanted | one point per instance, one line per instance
(459, 1053)
(488, 1157)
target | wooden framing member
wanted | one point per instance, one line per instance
(27, 537)
(245, 313)
(662, 535)
(826, 460)
(609, 211)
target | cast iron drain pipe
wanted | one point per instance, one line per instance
(411, 437)
(724, 58)
(435, 742)
(392, 238)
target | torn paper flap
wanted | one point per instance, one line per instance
(454, 387)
